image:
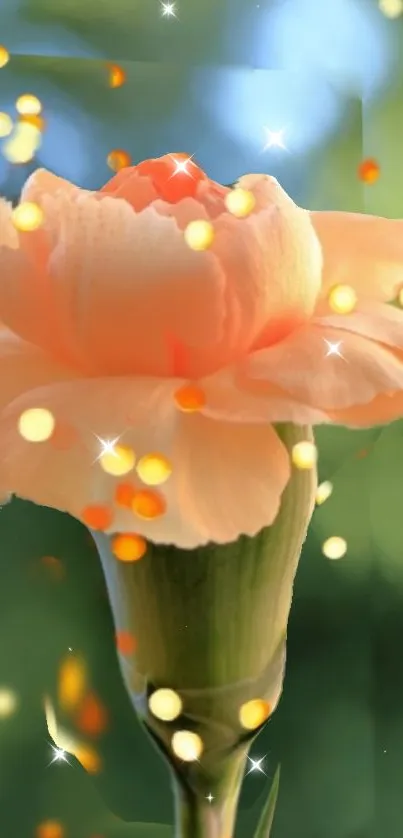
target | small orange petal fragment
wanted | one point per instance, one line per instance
(97, 516)
(190, 398)
(92, 717)
(118, 159)
(369, 170)
(125, 642)
(124, 494)
(129, 547)
(148, 504)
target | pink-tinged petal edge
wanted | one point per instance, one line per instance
(227, 479)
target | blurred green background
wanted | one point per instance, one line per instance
(214, 79)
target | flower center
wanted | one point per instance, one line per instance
(174, 176)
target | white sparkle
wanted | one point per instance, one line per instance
(107, 447)
(210, 798)
(181, 166)
(256, 765)
(275, 139)
(59, 755)
(168, 9)
(333, 349)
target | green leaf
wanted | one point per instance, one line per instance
(265, 824)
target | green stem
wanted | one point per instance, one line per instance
(212, 816)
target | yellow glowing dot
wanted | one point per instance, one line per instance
(23, 143)
(334, 547)
(190, 398)
(342, 299)
(323, 492)
(117, 75)
(165, 705)
(391, 8)
(118, 159)
(6, 124)
(304, 455)
(4, 56)
(129, 547)
(72, 682)
(8, 702)
(36, 424)
(27, 217)
(119, 461)
(240, 202)
(199, 235)
(28, 105)
(154, 469)
(187, 745)
(254, 713)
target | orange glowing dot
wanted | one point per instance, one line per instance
(118, 159)
(190, 398)
(148, 504)
(72, 682)
(369, 171)
(97, 516)
(129, 547)
(124, 494)
(254, 713)
(117, 75)
(50, 829)
(88, 758)
(125, 642)
(92, 718)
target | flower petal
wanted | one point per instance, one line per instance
(42, 183)
(226, 479)
(329, 369)
(362, 251)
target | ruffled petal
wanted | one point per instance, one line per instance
(226, 479)
(362, 251)
(42, 183)
(330, 369)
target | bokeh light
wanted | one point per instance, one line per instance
(323, 492)
(118, 159)
(121, 460)
(72, 682)
(36, 424)
(187, 746)
(199, 235)
(129, 547)
(8, 702)
(4, 56)
(154, 469)
(165, 704)
(28, 105)
(334, 547)
(26, 218)
(254, 713)
(342, 299)
(304, 455)
(6, 124)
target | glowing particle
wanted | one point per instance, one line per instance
(129, 547)
(154, 469)
(342, 299)
(119, 461)
(168, 9)
(254, 713)
(391, 8)
(304, 455)
(72, 682)
(148, 504)
(240, 202)
(35, 120)
(117, 75)
(27, 217)
(50, 829)
(118, 159)
(92, 717)
(4, 56)
(88, 758)
(124, 494)
(369, 170)
(199, 235)
(23, 143)
(187, 745)
(190, 398)
(334, 547)
(323, 492)
(28, 105)
(6, 124)
(125, 642)
(165, 704)
(36, 424)
(97, 516)
(8, 702)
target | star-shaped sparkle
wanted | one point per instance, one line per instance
(275, 139)
(256, 765)
(168, 9)
(333, 349)
(59, 755)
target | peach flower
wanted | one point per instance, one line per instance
(135, 342)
